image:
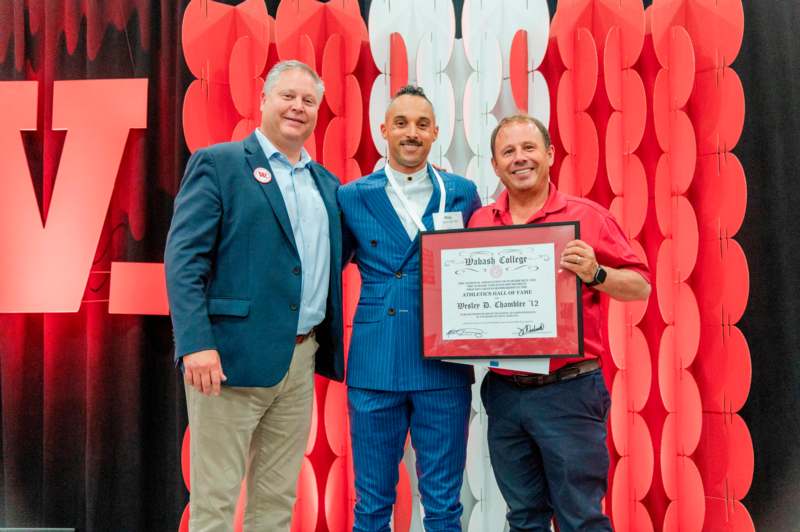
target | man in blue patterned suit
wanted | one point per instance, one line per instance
(391, 389)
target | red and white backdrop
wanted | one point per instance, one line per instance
(102, 103)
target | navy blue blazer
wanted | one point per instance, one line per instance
(385, 351)
(233, 270)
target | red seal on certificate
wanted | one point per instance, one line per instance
(262, 175)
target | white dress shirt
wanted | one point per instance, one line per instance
(418, 189)
(309, 220)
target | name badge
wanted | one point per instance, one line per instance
(448, 220)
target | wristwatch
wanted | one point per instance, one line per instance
(599, 276)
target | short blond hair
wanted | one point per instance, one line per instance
(292, 64)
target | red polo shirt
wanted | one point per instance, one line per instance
(600, 230)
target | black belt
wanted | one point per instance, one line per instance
(570, 371)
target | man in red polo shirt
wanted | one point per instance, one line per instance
(547, 433)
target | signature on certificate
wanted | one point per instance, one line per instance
(530, 329)
(473, 332)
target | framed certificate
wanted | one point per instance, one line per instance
(498, 292)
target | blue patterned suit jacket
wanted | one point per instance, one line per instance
(385, 345)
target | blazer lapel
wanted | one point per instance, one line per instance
(373, 193)
(257, 159)
(427, 217)
(433, 204)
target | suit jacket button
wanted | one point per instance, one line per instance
(391, 312)
(399, 275)
(293, 307)
(296, 270)
(373, 243)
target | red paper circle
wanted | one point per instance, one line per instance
(185, 460)
(689, 413)
(243, 129)
(612, 67)
(195, 114)
(354, 114)
(662, 108)
(681, 67)
(628, 15)
(736, 279)
(312, 432)
(678, 222)
(619, 414)
(622, 496)
(712, 454)
(402, 506)
(333, 73)
(183, 526)
(566, 110)
(742, 459)
(710, 362)
(717, 110)
(586, 68)
(338, 490)
(668, 368)
(333, 146)
(306, 506)
(687, 325)
(639, 372)
(205, 38)
(665, 280)
(634, 110)
(727, 516)
(719, 194)
(663, 17)
(717, 27)
(707, 281)
(335, 418)
(686, 513)
(668, 457)
(630, 208)
(615, 159)
(641, 456)
(518, 69)
(587, 152)
(739, 370)
(676, 136)
(245, 84)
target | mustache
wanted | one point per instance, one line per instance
(410, 142)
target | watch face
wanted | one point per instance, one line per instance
(600, 275)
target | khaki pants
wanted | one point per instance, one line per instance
(260, 431)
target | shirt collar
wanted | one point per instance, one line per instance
(555, 202)
(271, 151)
(402, 178)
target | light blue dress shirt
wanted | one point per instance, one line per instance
(309, 220)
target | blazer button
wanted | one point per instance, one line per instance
(293, 307)
(391, 312)
(399, 275)
(296, 270)
(373, 243)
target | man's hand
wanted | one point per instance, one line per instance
(204, 371)
(620, 283)
(578, 257)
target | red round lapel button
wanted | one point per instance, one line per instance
(262, 175)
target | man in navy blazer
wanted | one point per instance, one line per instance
(391, 389)
(253, 263)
